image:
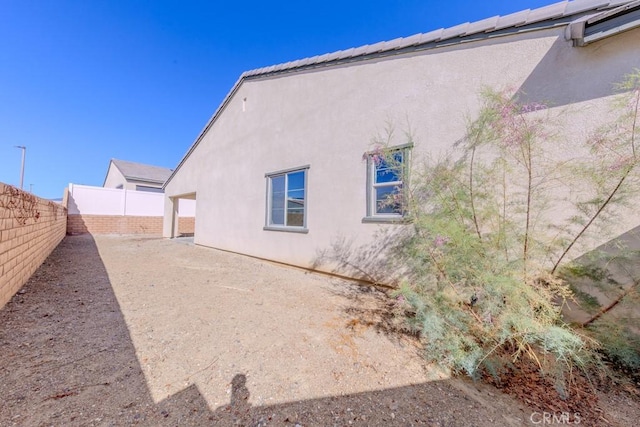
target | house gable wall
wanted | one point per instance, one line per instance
(115, 179)
(327, 118)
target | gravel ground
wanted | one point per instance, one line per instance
(121, 331)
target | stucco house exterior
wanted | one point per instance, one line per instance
(278, 171)
(135, 176)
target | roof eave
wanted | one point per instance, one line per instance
(220, 108)
(592, 28)
(140, 179)
(517, 24)
(272, 71)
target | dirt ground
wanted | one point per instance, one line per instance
(122, 331)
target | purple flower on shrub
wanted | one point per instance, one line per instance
(377, 156)
(621, 163)
(440, 241)
(534, 106)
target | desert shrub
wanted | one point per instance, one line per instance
(619, 345)
(495, 219)
(612, 273)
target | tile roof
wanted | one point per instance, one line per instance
(142, 172)
(561, 12)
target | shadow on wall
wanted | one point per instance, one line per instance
(568, 74)
(606, 282)
(76, 225)
(376, 262)
(68, 358)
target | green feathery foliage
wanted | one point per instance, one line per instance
(491, 230)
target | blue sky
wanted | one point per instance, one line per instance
(85, 81)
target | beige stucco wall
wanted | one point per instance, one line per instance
(115, 179)
(327, 119)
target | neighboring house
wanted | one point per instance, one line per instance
(135, 176)
(297, 132)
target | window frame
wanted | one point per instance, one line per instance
(371, 212)
(269, 226)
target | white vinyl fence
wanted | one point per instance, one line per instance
(88, 200)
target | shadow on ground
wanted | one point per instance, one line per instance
(68, 359)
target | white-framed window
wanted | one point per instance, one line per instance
(387, 174)
(287, 200)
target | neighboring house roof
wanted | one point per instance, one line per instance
(586, 21)
(141, 172)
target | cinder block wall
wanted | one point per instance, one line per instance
(186, 225)
(30, 229)
(120, 224)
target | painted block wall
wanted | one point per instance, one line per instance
(89, 200)
(99, 210)
(30, 229)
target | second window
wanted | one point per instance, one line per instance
(286, 199)
(387, 173)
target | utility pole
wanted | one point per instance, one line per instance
(24, 150)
